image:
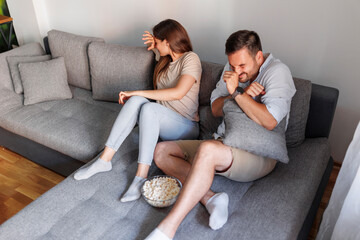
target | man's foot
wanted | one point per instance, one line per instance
(97, 167)
(217, 207)
(134, 191)
(157, 235)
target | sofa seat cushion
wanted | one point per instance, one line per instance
(76, 127)
(276, 206)
(273, 207)
(90, 209)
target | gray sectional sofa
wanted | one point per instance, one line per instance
(65, 133)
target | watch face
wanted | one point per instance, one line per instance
(240, 90)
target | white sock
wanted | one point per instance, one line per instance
(134, 191)
(217, 206)
(157, 235)
(97, 167)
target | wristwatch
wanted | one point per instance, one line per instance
(238, 90)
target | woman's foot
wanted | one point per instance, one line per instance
(157, 235)
(134, 191)
(217, 207)
(97, 167)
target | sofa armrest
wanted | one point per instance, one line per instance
(322, 109)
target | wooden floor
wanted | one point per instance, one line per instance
(22, 181)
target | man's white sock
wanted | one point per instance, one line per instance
(97, 167)
(134, 191)
(157, 235)
(217, 207)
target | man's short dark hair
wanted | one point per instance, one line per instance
(241, 39)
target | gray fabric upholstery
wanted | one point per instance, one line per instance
(243, 133)
(273, 207)
(9, 101)
(14, 61)
(76, 127)
(25, 50)
(295, 133)
(211, 73)
(74, 50)
(116, 68)
(208, 123)
(44, 81)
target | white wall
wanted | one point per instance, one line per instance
(318, 40)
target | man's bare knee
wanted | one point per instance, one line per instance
(160, 153)
(206, 150)
(213, 153)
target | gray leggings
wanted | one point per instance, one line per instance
(154, 121)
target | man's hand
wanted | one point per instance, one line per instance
(255, 89)
(232, 81)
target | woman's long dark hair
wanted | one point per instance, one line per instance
(178, 40)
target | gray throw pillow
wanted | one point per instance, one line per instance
(44, 81)
(74, 49)
(116, 68)
(243, 133)
(14, 61)
(29, 49)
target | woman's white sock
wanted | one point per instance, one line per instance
(217, 207)
(97, 167)
(134, 191)
(157, 235)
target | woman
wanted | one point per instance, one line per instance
(173, 116)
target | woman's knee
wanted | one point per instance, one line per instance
(148, 110)
(137, 100)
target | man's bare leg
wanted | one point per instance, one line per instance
(211, 155)
(170, 159)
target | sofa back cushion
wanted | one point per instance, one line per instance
(74, 50)
(116, 68)
(211, 73)
(299, 110)
(25, 50)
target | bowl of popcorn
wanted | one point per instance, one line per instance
(161, 191)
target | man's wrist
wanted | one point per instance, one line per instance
(238, 91)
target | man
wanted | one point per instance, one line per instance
(262, 87)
